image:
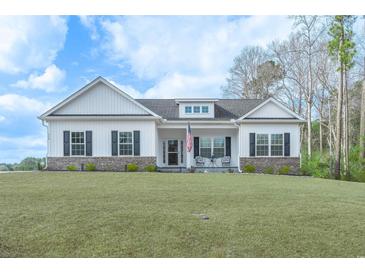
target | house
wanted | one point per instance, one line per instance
(104, 125)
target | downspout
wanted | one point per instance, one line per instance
(46, 126)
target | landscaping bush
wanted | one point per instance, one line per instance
(284, 170)
(249, 168)
(71, 168)
(268, 170)
(90, 167)
(132, 167)
(151, 168)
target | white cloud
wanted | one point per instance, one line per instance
(14, 149)
(90, 23)
(51, 80)
(178, 86)
(186, 55)
(30, 42)
(2, 118)
(17, 103)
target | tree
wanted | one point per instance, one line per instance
(310, 29)
(362, 119)
(342, 47)
(253, 75)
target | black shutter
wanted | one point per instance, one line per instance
(136, 142)
(252, 144)
(89, 143)
(66, 143)
(286, 144)
(196, 146)
(114, 143)
(228, 146)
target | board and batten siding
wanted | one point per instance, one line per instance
(101, 99)
(101, 135)
(270, 110)
(272, 128)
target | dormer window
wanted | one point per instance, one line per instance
(196, 109)
(205, 109)
(188, 109)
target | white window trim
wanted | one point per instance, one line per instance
(212, 145)
(203, 111)
(282, 149)
(119, 143)
(269, 144)
(191, 108)
(71, 155)
(200, 109)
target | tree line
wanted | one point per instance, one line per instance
(318, 72)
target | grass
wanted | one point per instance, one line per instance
(68, 214)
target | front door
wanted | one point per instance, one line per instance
(173, 152)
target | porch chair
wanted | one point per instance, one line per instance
(199, 161)
(226, 161)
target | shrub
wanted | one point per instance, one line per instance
(268, 170)
(71, 168)
(284, 170)
(249, 168)
(150, 168)
(90, 167)
(132, 167)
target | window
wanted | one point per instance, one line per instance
(205, 147)
(77, 143)
(188, 109)
(218, 147)
(276, 144)
(125, 143)
(181, 151)
(196, 109)
(262, 145)
(205, 109)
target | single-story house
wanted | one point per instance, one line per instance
(102, 124)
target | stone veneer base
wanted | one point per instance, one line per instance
(275, 162)
(102, 163)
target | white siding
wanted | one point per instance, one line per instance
(210, 113)
(101, 135)
(101, 99)
(293, 129)
(270, 110)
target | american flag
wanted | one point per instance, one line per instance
(189, 139)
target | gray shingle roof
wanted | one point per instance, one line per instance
(225, 109)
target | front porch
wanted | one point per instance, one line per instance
(214, 149)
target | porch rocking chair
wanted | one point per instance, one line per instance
(226, 161)
(199, 161)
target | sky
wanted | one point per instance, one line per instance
(45, 59)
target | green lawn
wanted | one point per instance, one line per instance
(65, 214)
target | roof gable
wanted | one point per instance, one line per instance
(270, 109)
(99, 98)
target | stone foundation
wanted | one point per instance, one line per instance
(102, 163)
(275, 162)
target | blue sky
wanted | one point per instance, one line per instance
(45, 59)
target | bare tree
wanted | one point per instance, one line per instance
(310, 28)
(253, 75)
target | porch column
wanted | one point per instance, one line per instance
(188, 154)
